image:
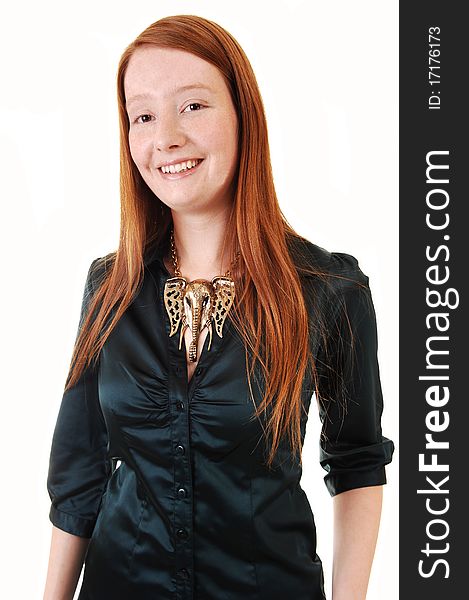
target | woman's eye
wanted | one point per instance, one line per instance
(193, 104)
(137, 119)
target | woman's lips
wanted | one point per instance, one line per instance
(185, 173)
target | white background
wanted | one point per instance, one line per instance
(328, 74)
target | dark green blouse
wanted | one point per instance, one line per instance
(168, 479)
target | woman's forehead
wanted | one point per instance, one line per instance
(169, 70)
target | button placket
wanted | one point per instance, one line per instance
(183, 507)
(181, 393)
(183, 503)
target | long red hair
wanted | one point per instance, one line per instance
(270, 311)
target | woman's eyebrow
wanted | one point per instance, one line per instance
(183, 88)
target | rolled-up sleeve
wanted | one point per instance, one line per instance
(352, 448)
(78, 465)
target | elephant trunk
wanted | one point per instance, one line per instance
(195, 335)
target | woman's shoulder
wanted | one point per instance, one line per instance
(335, 285)
(315, 262)
(98, 268)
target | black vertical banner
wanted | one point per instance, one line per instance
(434, 360)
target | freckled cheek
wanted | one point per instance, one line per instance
(224, 138)
(140, 151)
(227, 134)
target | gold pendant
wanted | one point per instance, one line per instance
(198, 304)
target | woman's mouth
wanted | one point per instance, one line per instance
(179, 170)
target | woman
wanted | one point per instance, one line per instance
(201, 342)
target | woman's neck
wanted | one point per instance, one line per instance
(199, 249)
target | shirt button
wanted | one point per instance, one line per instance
(182, 493)
(183, 573)
(182, 533)
(180, 449)
(180, 405)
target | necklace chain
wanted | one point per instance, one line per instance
(174, 256)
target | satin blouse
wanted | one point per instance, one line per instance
(167, 478)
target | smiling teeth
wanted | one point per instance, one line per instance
(180, 166)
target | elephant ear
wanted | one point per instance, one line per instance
(173, 301)
(224, 289)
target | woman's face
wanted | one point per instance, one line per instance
(172, 119)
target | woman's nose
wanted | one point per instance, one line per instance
(168, 132)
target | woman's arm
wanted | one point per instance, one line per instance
(79, 470)
(67, 553)
(357, 515)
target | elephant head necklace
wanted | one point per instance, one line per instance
(198, 303)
